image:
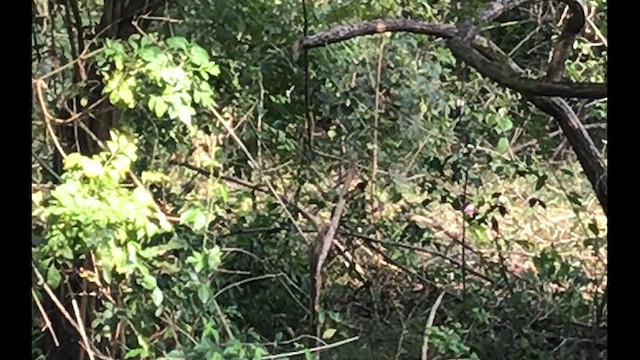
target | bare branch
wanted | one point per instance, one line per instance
(432, 316)
(499, 7)
(489, 69)
(379, 26)
(319, 249)
(580, 141)
(562, 47)
(461, 50)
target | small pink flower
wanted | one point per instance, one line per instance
(470, 209)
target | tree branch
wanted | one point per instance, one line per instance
(460, 49)
(562, 47)
(487, 68)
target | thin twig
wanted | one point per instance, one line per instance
(432, 316)
(53, 297)
(399, 350)
(313, 349)
(46, 166)
(163, 19)
(82, 57)
(244, 281)
(57, 302)
(223, 320)
(418, 249)
(47, 322)
(82, 331)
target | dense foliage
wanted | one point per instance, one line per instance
(187, 156)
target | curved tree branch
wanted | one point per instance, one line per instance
(378, 26)
(463, 52)
(489, 69)
(562, 47)
(580, 141)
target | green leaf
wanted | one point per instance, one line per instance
(157, 296)
(134, 40)
(223, 192)
(67, 253)
(119, 62)
(53, 277)
(259, 353)
(541, 181)
(194, 217)
(205, 87)
(160, 107)
(308, 355)
(114, 97)
(174, 355)
(178, 42)
(199, 266)
(126, 95)
(503, 145)
(574, 198)
(199, 55)
(204, 293)
(92, 168)
(504, 125)
(183, 113)
(567, 172)
(151, 53)
(133, 353)
(72, 160)
(215, 258)
(151, 104)
(106, 275)
(149, 177)
(149, 282)
(213, 69)
(328, 334)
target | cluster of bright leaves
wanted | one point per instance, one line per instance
(169, 76)
(93, 210)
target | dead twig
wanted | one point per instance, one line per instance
(45, 318)
(432, 316)
(82, 331)
(319, 249)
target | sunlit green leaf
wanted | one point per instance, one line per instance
(504, 124)
(150, 53)
(126, 95)
(53, 277)
(178, 42)
(199, 55)
(503, 145)
(157, 297)
(149, 282)
(215, 258)
(160, 107)
(328, 334)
